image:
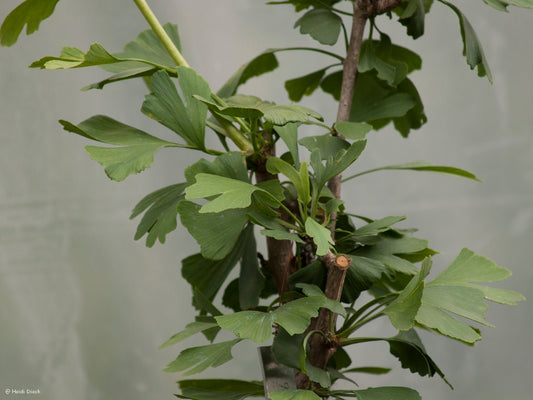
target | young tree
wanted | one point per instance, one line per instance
(320, 255)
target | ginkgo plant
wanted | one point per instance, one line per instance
(321, 254)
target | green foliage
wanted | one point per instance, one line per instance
(294, 317)
(137, 147)
(321, 24)
(197, 359)
(321, 236)
(161, 209)
(29, 13)
(141, 57)
(420, 166)
(380, 393)
(294, 395)
(454, 291)
(165, 105)
(224, 197)
(472, 50)
(403, 310)
(215, 389)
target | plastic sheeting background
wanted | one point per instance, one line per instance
(83, 307)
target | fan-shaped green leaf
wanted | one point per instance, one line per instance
(191, 329)
(377, 226)
(29, 13)
(197, 359)
(296, 315)
(329, 145)
(304, 85)
(161, 217)
(251, 107)
(231, 193)
(166, 106)
(289, 134)
(148, 47)
(217, 243)
(475, 57)
(352, 130)
(294, 395)
(386, 393)
(402, 311)
(300, 179)
(502, 5)
(137, 152)
(455, 291)
(253, 325)
(321, 24)
(321, 236)
(262, 64)
(143, 56)
(216, 389)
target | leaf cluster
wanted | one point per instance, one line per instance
(243, 185)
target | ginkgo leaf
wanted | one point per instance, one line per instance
(289, 134)
(412, 15)
(456, 291)
(146, 51)
(161, 217)
(472, 50)
(231, 193)
(216, 389)
(262, 64)
(385, 393)
(335, 164)
(135, 155)
(148, 47)
(321, 236)
(280, 234)
(300, 179)
(294, 317)
(402, 311)
(420, 166)
(185, 117)
(197, 359)
(252, 107)
(392, 63)
(352, 130)
(30, 13)
(304, 85)
(408, 348)
(321, 24)
(313, 290)
(377, 226)
(214, 244)
(191, 329)
(253, 325)
(329, 145)
(294, 395)
(502, 5)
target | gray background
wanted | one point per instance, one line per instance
(83, 307)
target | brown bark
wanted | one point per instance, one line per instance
(321, 349)
(279, 251)
(349, 73)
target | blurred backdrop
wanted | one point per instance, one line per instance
(83, 307)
